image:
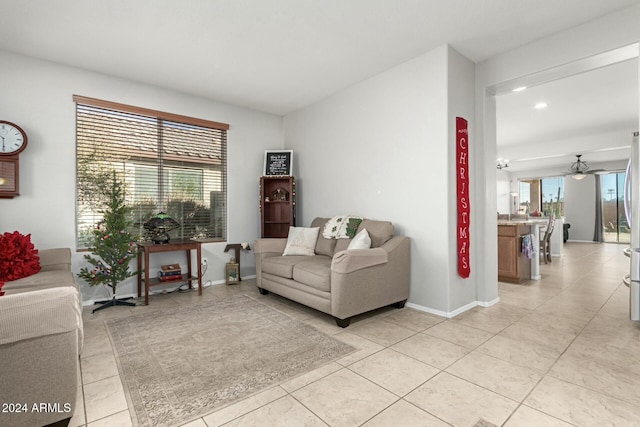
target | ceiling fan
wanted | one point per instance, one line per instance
(580, 169)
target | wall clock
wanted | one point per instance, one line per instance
(13, 140)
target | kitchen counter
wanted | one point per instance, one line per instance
(540, 224)
(535, 223)
(530, 221)
(513, 265)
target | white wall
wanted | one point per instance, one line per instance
(580, 207)
(463, 293)
(503, 191)
(384, 149)
(378, 149)
(37, 95)
(601, 35)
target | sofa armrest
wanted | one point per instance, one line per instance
(55, 259)
(266, 248)
(357, 259)
(275, 246)
(39, 313)
(41, 337)
(375, 286)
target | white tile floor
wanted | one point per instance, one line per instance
(556, 352)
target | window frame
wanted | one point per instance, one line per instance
(536, 185)
(163, 159)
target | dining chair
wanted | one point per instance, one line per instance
(545, 240)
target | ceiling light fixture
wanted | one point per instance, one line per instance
(578, 168)
(501, 164)
(540, 106)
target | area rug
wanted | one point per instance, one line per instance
(181, 363)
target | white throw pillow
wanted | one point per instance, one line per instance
(301, 241)
(360, 241)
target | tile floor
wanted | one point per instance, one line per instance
(556, 352)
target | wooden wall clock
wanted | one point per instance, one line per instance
(13, 140)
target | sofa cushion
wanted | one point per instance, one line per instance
(301, 241)
(55, 259)
(282, 265)
(38, 313)
(360, 241)
(42, 280)
(315, 273)
(379, 231)
(342, 245)
(324, 246)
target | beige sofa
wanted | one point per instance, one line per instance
(40, 343)
(336, 281)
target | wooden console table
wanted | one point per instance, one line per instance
(146, 248)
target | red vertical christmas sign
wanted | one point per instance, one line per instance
(462, 190)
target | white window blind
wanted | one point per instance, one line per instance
(169, 163)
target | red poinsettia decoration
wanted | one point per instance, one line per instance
(18, 257)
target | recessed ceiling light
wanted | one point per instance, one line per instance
(540, 106)
(519, 89)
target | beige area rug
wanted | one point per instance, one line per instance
(181, 363)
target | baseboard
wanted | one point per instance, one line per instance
(208, 283)
(455, 312)
(581, 241)
(486, 304)
(426, 309)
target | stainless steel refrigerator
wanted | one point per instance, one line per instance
(632, 210)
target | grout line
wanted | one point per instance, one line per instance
(572, 283)
(558, 358)
(84, 400)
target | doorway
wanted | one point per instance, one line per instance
(543, 141)
(614, 221)
(488, 125)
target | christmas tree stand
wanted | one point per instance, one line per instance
(113, 302)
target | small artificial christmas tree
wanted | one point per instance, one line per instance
(112, 245)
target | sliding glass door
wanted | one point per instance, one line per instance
(614, 221)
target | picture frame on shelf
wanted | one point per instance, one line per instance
(278, 163)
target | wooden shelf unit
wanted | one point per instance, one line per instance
(276, 216)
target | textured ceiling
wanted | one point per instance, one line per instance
(592, 113)
(277, 55)
(281, 55)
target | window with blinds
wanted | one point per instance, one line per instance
(168, 163)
